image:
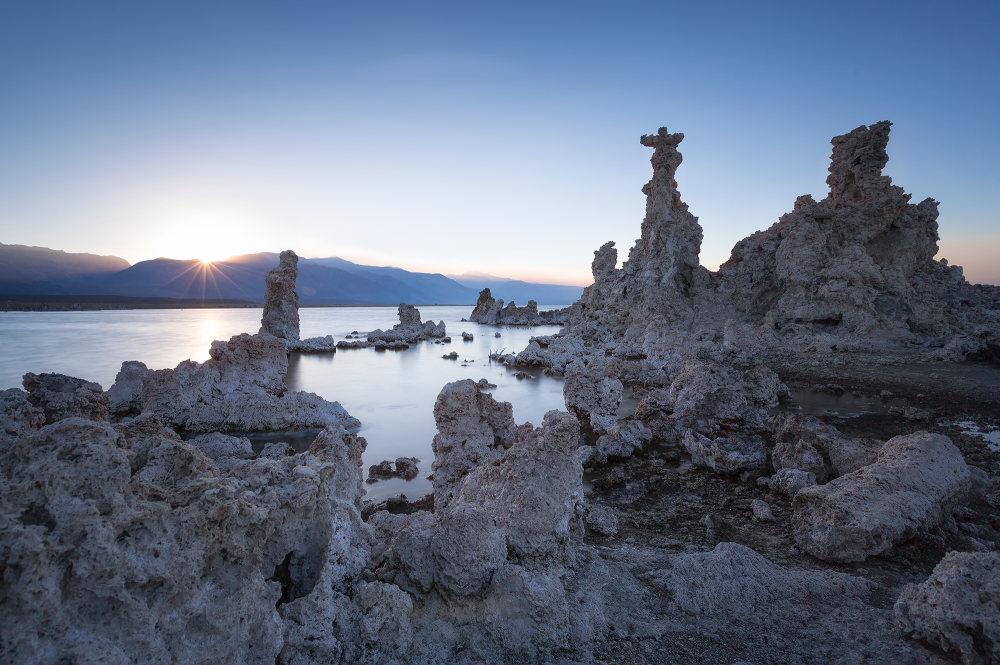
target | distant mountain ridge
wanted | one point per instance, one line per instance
(26, 263)
(321, 281)
(514, 290)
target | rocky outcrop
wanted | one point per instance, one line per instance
(60, 396)
(281, 308)
(408, 331)
(854, 272)
(138, 548)
(406, 467)
(281, 302)
(492, 311)
(500, 552)
(913, 485)
(957, 610)
(241, 388)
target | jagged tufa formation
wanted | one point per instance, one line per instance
(855, 272)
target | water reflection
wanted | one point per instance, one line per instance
(391, 392)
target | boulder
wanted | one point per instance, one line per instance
(913, 485)
(841, 454)
(601, 520)
(801, 456)
(957, 610)
(60, 396)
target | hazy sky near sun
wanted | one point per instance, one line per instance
(499, 137)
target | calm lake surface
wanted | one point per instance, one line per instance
(391, 392)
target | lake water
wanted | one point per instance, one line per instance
(391, 392)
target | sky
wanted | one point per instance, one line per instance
(492, 137)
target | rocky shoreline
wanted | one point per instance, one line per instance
(681, 509)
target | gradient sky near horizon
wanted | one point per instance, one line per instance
(493, 137)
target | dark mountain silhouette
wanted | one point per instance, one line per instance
(34, 264)
(325, 281)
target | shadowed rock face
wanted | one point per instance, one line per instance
(957, 610)
(281, 302)
(61, 396)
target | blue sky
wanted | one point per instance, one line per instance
(469, 136)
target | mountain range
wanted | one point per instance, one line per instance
(321, 281)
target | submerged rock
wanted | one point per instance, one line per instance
(914, 484)
(491, 311)
(406, 467)
(408, 331)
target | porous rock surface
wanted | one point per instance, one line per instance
(135, 547)
(492, 311)
(800, 438)
(956, 610)
(913, 485)
(409, 330)
(281, 302)
(853, 273)
(60, 396)
(241, 388)
(500, 554)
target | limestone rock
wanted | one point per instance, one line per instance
(705, 395)
(853, 273)
(726, 455)
(314, 345)
(956, 609)
(60, 396)
(791, 481)
(281, 302)
(601, 521)
(592, 390)
(505, 532)
(491, 311)
(240, 388)
(217, 446)
(914, 484)
(18, 417)
(618, 438)
(802, 456)
(409, 330)
(172, 554)
(841, 454)
(735, 582)
(761, 511)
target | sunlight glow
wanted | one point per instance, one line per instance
(211, 234)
